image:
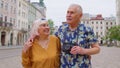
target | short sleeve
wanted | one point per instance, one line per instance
(91, 35)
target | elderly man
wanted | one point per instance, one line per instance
(78, 42)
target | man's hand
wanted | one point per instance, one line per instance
(77, 50)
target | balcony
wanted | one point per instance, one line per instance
(23, 30)
(5, 25)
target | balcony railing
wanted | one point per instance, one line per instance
(6, 24)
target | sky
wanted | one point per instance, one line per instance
(56, 9)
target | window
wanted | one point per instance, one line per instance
(97, 34)
(101, 33)
(19, 4)
(101, 27)
(96, 22)
(5, 18)
(106, 23)
(2, 4)
(111, 23)
(10, 20)
(6, 6)
(1, 17)
(107, 28)
(92, 22)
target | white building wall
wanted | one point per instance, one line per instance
(8, 12)
(39, 15)
(98, 27)
(40, 10)
(17, 14)
(22, 21)
(22, 14)
(118, 12)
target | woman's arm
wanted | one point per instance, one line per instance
(26, 54)
(26, 61)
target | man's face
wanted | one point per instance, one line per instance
(73, 16)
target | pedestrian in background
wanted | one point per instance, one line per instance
(78, 42)
(41, 50)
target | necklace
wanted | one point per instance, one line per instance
(44, 43)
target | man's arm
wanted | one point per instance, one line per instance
(84, 51)
(95, 48)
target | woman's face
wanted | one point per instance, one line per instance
(44, 29)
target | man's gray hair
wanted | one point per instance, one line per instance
(79, 8)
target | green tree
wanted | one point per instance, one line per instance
(51, 24)
(114, 33)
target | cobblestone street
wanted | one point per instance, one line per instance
(109, 57)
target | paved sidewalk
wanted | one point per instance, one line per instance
(11, 62)
(10, 47)
(109, 57)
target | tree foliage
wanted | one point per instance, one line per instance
(114, 33)
(51, 24)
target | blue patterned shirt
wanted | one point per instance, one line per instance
(79, 36)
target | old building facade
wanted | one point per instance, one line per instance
(7, 21)
(99, 24)
(16, 18)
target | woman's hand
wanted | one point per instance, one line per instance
(27, 45)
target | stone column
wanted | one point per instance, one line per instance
(7, 38)
(15, 33)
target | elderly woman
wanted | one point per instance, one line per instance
(41, 50)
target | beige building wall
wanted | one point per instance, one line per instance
(118, 12)
(8, 16)
(40, 10)
(21, 23)
(38, 14)
(100, 26)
